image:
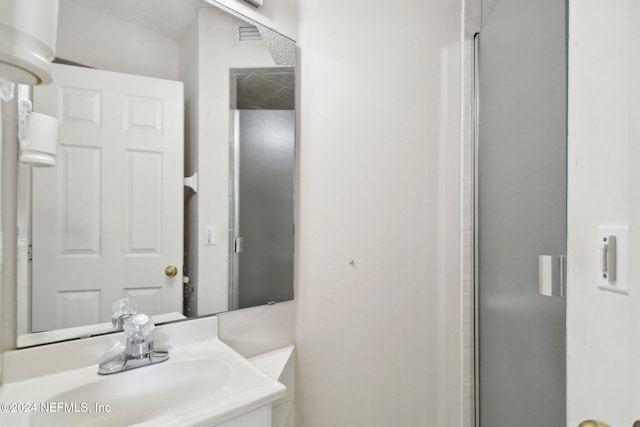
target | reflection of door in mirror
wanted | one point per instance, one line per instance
(105, 219)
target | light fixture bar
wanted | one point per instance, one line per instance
(254, 3)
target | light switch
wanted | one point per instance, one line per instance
(613, 258)
(210, 236)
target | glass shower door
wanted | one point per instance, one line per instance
(521, 184)
(263, 200)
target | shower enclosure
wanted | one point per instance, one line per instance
(521, 57)
(261, 186)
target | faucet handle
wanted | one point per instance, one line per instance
(121, 310)
(138, 327)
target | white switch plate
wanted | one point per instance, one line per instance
(620, 284)
(210, 236)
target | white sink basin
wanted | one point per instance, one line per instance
(204, 383)
(134, 396)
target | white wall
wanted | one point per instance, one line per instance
(8, 177)
(603, 328)
(379, 340)
(101, 41)
(189, 73)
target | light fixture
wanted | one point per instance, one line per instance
(254, 3)
(38, 136)
(28, 30)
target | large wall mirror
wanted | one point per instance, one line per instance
(148, 93)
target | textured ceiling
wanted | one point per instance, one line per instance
(168, 17)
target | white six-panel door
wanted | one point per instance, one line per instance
(108, 218)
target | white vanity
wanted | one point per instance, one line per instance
(204, 383)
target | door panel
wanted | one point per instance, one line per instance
(108, 218)
(521, 212)
(264, 206)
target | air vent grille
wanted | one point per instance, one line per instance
(248, 34)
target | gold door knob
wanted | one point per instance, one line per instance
(171, 270)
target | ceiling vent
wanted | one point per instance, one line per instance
(247, 34)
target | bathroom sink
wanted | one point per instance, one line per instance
(135, 396)
(204, 383)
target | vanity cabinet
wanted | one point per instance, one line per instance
(260, 417)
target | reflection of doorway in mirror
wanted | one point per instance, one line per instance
(106, 221)
(262, 186)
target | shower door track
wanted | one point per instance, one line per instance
(473, 152)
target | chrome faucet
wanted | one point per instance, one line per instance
(138, 350)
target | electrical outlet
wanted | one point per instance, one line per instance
(210, 236)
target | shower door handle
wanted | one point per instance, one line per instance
(238, 245)
(552, 275)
